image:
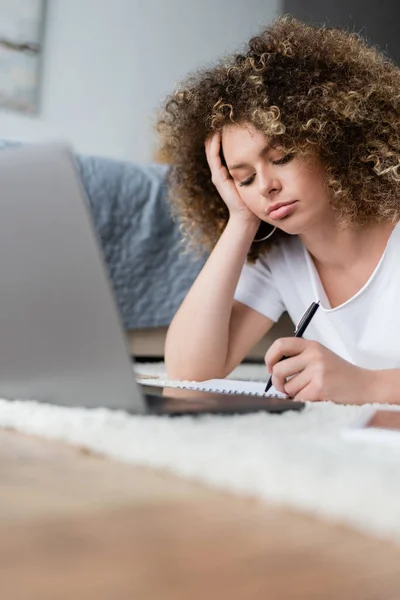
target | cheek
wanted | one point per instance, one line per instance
(249, 196)
(310, 187)
(311, 184)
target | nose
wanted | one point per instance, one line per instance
(268, 185)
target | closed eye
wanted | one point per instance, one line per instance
(283, 160)
(247, 182)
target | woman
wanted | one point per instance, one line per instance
(297, 193)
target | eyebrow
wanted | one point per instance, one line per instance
(262, 152)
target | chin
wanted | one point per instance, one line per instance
(292, 225)
(290, 229)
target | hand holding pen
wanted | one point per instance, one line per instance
(299, 331)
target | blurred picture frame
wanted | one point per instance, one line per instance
(21, 44)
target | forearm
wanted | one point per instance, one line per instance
(198, 337)
(385, 386)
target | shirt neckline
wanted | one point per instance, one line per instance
(319, 289)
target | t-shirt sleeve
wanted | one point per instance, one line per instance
(257, 289)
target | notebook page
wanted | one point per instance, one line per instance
(229, 386)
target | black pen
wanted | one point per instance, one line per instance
(299, 331)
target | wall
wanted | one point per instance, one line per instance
(377, 22)
(108, 64)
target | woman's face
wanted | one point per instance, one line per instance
(283, 190)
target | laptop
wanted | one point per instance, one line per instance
(61, 337)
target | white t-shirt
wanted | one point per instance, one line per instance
(365, 330)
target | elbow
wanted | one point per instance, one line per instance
(182, 365)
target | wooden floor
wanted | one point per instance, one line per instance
(79, 527)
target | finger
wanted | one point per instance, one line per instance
(207, 145)
(215, 144)
(298, 384)
(208, 142)
(308, 394)
(288, 368)
(213, 149)
(215, 155)
(278, 384)
(284, 347)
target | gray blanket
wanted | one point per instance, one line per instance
(140, 242)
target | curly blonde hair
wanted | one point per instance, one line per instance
(314, 90)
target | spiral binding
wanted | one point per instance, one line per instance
(218, 391)
(186, 385)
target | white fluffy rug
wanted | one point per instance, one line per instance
(300, 460)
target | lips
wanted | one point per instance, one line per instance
(279, 210)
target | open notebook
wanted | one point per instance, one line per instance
(225, 386)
